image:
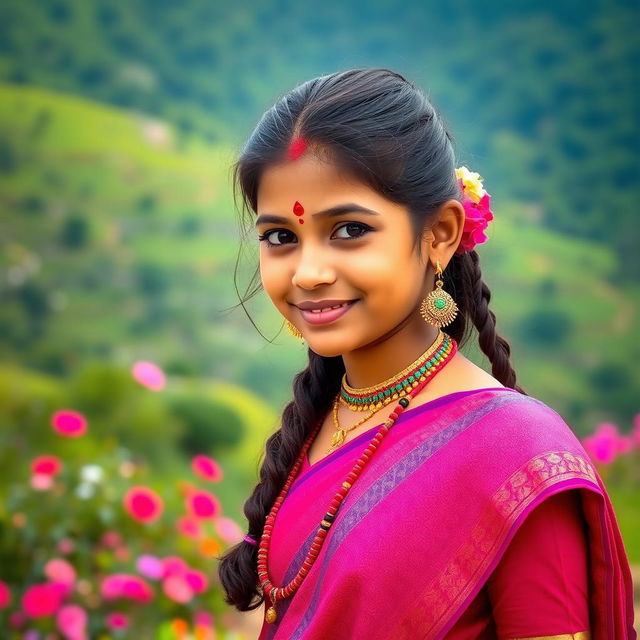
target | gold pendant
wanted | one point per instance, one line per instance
(271, 615)
(338, 438)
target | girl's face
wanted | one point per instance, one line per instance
(355, 255)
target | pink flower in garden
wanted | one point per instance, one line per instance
(203, 618)
(635, 431)
(150, 566)
(148, 375)
(624, 444)
(202, 504)
(66, 546)
(111, 539)
(41, 481)
(117, 620)
(5, 595)
(229, 530)
(124, 585)
(188, 526)
(46, 465)
(178, 589)
(72, 622)
(206, 468)
(602, 445)
(17, 619)
(69, 423)
(59, 570)
(143, 504)
(43, 599)
(197, 580)
(174, 566)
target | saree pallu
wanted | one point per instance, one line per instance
(431, 515)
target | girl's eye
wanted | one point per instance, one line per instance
(278, 233)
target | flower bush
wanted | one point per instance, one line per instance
(93, 546)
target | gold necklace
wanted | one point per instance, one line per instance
(390, 389)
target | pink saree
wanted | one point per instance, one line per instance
(430, 517)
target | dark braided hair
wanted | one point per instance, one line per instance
(381, 129)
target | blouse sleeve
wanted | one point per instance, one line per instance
(540, 587)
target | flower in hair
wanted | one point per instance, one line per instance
(476, 202)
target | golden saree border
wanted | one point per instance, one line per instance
(446, 592)
(580, 635)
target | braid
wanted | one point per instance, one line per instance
(475, 297)
(314, 389)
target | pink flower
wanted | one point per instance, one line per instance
(43, 599)
(41, 481)
(202, 504)
(203, 618)
(148, 375)
(72, 622)
(150, 566)
(59, 570)
(5, 595)
(46, 465)
(143, 504)
(111, 539)
(71, 424)
(602, 445)
(124, 585)
(207, 468)
(178, 589)
(228, 529)
(174, 566)
(117, 620)
(624, 444)
(190, 527)
(635, 432)
(477, 217)
(197, 580)
(66, 546)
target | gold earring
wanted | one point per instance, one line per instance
(293, 331)
(438, 308)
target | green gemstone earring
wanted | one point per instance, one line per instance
(438, 308)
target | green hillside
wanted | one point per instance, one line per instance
(119, 243)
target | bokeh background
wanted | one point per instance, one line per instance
(136, 395)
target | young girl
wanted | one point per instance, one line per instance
(408, 494)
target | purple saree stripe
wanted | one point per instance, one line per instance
(549, 491)
(381, 488)
(365, 436)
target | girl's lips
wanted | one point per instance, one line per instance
(324, 317)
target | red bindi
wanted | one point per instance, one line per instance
(298, 209)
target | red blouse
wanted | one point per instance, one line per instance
(540, 585)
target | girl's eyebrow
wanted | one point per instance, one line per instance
(338, 210)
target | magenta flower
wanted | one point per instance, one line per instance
(46, 465)
(72, 622)
(117, 620)
(150, 566)
(111, 539)
(5, 595)
(124, 585)
(149, 375)
(197, 580)
(206, 468)
(43, 599)
(174, 566)
(66, 546)
(71, 424)
(143, 504)
(602, 446)
(202, 504)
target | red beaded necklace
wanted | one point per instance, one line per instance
(447, 351)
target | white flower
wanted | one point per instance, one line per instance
(84, 491)
(92, 473)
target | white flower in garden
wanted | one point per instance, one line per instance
(84, 491)
(92, 473)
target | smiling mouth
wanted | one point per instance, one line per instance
(315, 317)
